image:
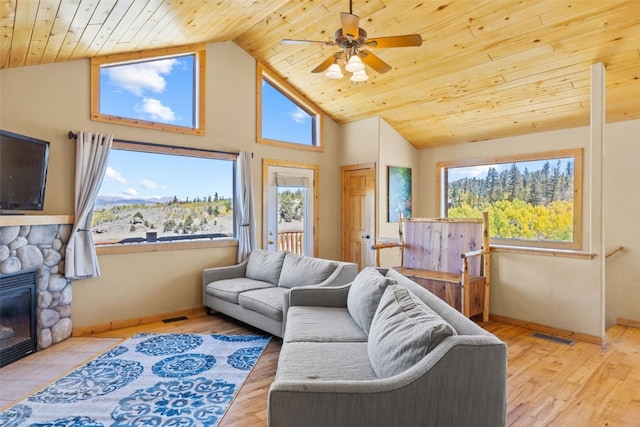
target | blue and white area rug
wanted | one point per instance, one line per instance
(168, 380)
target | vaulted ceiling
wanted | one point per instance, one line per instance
(486, 69)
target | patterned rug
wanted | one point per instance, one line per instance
(177, 380)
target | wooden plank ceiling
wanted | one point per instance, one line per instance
(486, 69)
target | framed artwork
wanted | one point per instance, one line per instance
(398, 193)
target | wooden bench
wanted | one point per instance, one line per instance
(450, 257)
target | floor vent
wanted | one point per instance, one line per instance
(174, 319)
(555, 339)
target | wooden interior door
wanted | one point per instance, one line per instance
(358, 183)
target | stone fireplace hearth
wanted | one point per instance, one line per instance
(41, 247)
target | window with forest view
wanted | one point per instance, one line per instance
(532, 201)
(164, 194)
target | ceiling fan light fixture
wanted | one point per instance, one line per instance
(334, 72)
(359, 76)
(354, 65)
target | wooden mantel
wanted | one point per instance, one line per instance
(13, 220)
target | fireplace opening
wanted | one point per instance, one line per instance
(17, 316)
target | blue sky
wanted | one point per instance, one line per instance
(157, 91)
(480, 172)
(132, 174)
(282, 119)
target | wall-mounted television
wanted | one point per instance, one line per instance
(23, 172)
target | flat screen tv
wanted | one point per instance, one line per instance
(23, 172)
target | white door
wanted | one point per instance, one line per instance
(290, 209)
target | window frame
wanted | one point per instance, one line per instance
(287, 90)
(575, 153)
(198, 50)
(144, 147)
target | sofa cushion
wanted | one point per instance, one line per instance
(229, 289)
(324, 361)
(403, 331)
(322, 324)
(265, 265)
(301, 271)
(364, 295)
(267, 301)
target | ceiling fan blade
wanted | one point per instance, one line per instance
(350, 24)
(395, 41)
(373, 61)
(325, 64)
(293, 41)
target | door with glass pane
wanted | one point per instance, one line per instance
(290, 211)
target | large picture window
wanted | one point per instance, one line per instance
(533, 200)
(153, 193)
(283, 116)
(161, 89)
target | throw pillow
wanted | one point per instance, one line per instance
(403, 331)
(364, 295)
(265, 265)
(300, 271)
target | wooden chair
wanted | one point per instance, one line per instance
(450, 258)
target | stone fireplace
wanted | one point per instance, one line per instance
(26, 244)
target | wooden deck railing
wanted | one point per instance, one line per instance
(292, 241)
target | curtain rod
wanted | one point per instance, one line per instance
(72, 135)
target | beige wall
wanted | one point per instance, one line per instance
(374, 140)
(49, 100)
(394, 151)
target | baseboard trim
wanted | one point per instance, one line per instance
(88, 330)
(628, 322)
(550, 330)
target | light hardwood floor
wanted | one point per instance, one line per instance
(550, 384)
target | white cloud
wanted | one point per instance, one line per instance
(147, 183)
(114, 175)
(156, 111)
(141, 76)
(298, 115)
(130, 192)
(469, 172)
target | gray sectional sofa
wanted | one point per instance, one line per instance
(255, 290)
(383, 351)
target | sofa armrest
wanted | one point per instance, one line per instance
(317, 295)
(344, 273)
(226, 272)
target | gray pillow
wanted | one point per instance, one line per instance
(364, 295)
(299, 271)
(265, 265)
(403, 331)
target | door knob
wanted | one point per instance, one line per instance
(366, 236)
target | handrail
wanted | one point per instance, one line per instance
(614, 251)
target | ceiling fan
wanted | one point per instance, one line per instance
(353, 41)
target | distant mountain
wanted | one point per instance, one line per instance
(108, 201)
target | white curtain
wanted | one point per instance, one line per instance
(244, 209)
(92, 154)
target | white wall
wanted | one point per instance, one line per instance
(47, 101)
(563, 293)
(621, 219)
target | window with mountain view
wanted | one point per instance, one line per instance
(154, 193)
(285, 118)
(532, 200)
